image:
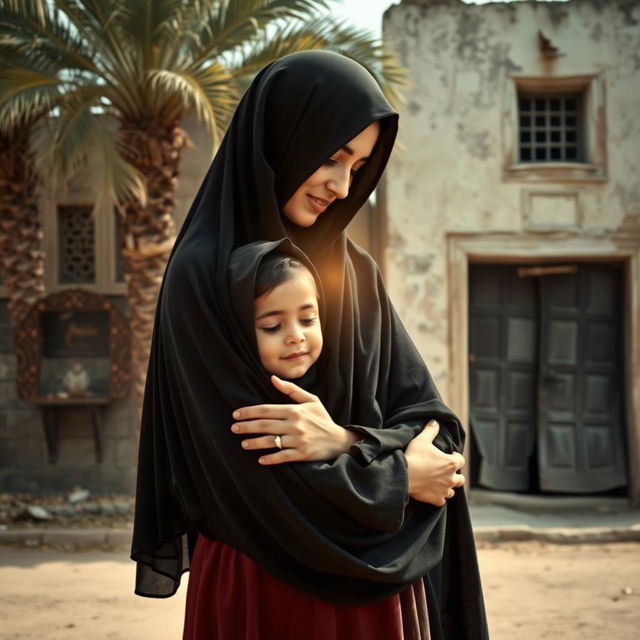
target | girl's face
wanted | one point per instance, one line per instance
(332, 179)
(288, 326)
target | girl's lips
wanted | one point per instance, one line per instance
(318, 204)
(296, 356)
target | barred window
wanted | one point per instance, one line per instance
(551, 127)
(76, 244)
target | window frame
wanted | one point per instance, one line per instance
(594, 166)
(104, 242)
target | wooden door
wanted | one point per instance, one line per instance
(503, 352)
(546, 381)
(580, 424)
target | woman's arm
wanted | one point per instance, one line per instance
(308, 433)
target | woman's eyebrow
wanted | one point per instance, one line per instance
(347, 149)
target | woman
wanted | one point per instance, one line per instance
(342, 530)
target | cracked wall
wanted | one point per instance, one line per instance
(447, 172)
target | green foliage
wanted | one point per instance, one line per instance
(70, 66)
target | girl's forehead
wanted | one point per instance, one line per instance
(301, 286)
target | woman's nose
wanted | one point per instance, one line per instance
(340, 183)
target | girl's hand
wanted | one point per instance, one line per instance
(433, 475)
(306, 430)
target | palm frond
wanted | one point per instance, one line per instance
(152, 25)
(117, 179)
(325, 32)
(78, 138)
(228, 24)
(34, 25)
(62, 143)
(117, 60)
(209, 91)
(25, 96)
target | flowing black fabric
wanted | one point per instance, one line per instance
(343, 530)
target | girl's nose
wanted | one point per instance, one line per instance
(295, 335)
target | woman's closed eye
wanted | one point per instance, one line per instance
(332, 162)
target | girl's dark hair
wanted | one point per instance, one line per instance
(275, 269)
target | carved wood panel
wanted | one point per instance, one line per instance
(76, 326)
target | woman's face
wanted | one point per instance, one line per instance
(331, 181)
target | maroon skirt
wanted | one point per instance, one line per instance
(231, 598)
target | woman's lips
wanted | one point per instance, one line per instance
(318, 204)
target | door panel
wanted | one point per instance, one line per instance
(580, 428)
(503, 345)
(546, 377)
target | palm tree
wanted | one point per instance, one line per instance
(21, 255)
(145, 65)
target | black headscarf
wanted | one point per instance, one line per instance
(342, 530)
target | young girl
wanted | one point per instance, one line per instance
(287, 316)
(352, 540)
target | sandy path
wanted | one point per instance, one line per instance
(531, 590)
(570, 592)
(84, 595)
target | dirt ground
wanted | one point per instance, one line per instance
(532, 590)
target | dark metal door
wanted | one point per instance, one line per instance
(545, 377)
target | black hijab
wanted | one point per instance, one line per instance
(342, 530)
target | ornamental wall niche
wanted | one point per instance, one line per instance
(73, 351)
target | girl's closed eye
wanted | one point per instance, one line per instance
(308, 321)
(271, 329)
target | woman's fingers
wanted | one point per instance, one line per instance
(276, 411)
(296, 393)
(274, 427)
(264, 442)
(430, 430)
(272, 411)
(285, 455)
(458, 460)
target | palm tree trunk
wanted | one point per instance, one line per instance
(21, 255)
(149, 231)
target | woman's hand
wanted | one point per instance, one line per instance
(306, 430)
(433, 475)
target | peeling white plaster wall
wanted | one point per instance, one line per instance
(446, 173)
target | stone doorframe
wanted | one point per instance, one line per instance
(463, 248)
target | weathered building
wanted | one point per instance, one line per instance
(513, 232)
(82, 251)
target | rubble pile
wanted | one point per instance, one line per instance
(79, 508)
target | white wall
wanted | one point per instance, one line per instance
(449, 171)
